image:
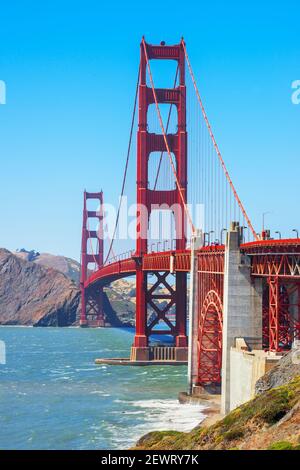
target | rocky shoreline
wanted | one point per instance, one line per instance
(268, 422)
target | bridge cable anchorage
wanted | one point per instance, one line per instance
(126, 168)
(216, 147)
(166, 140)
(167, 128)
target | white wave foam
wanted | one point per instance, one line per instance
(159, 415)
(172, 415)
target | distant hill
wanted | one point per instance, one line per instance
(31, 294)
(42, 289)
(67, 266)
(120, 303)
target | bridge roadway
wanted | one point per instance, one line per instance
(280, 258)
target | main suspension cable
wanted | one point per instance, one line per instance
(216, 145)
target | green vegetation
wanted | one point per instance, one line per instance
(234, 433)
(264, 410)
(283, 445)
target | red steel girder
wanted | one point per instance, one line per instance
(210, 312)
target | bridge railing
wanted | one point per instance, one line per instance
(155, 247)
(160, 246)
(121, 256)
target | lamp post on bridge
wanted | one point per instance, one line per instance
(209, 235)
(221, 235)
(279, 234)
(296, 231)
(263, 219)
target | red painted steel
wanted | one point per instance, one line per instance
(210, 312)
(281, 315)
(281, 320)
(147, 143)
(92, 313)
(276, 262)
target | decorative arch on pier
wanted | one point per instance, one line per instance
(210, 339)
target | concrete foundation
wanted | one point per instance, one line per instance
(139, 354)
(246, 367)
(159, 353)
(92, 323)
(123, 361)
(181, 354)
(151, 355)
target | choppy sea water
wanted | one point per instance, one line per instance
(53, 396)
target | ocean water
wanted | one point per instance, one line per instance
(53, 396)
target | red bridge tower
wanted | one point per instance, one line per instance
(92, 313)
(148, 312)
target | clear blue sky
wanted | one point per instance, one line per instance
(70, 70)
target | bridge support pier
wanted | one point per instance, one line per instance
(196, 243)
(242, 309)
(141, 339)
(151, 311)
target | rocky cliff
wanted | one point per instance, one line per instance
(41, 289)
(31, 294)
(287, 368)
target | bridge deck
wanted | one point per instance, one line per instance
(264, 253)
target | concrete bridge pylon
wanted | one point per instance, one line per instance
(242, 307)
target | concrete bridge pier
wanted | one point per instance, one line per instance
(196, 243)
(242, 309)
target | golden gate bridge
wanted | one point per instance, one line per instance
(179, 166)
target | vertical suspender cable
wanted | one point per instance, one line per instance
(237, 199)
(126, 167)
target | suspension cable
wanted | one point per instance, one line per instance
(126, 168)
(216, 145)
(166, 140)
(105, 228)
